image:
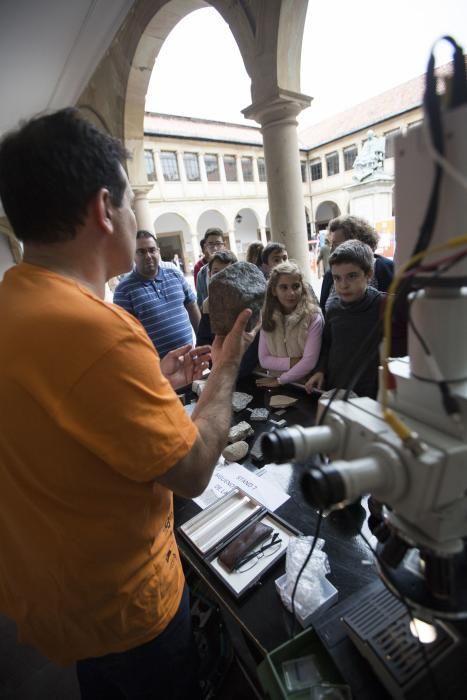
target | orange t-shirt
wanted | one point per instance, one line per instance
(88, 560)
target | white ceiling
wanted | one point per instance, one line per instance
(49, 50)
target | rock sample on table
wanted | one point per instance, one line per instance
(259, 414)
(281, 401)
(240, 431)
(235, 451)
(237, 287)
(239, 399)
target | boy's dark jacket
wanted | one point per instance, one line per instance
(347, 328)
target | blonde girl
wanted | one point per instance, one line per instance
(292, 325)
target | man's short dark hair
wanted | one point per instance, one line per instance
(213, 232)
(143, 233)
(226, 257)
(51, 168)
(355, 252)
(269, 249)
(355, 227)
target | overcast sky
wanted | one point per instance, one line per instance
(351, 51)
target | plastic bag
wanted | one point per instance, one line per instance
(313, 587)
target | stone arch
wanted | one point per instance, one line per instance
(211, 218)
(324, 213)
(246, 229)
(174, 236)
(155, 27)
(269, 38)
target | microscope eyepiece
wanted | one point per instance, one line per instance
(296, 443)
(278, 446)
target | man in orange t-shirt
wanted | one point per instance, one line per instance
(94, 440)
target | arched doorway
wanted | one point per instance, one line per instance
(212, 218)
(324, 213)
(173, 234)
(246, 227)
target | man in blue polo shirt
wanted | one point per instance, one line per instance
(159, 296)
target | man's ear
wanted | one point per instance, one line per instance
(102, 210)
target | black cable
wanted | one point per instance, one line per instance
(302, 568)
(429, 670)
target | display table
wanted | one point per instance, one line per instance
(260, 613)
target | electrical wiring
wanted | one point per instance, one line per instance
(452, 243)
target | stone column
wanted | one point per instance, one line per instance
(278, 118)
(262, 233)
(142, 208)
(195, 245)
(232, 241)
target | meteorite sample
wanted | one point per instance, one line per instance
(237, 287)
(240, 431)
(259, 414)
(240, 400)
(236, 451)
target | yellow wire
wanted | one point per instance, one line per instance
(387, 328)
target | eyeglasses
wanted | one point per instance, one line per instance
(213, 246)
(142, 251)
(251, 559)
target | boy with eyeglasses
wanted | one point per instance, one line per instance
(353, 318)
(213, 242)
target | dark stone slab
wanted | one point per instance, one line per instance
(237, 287)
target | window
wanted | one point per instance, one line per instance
(247, 168)
(316, 169)
(262, 170)
(191, 163)
(303, 169)
(169, 166)
(230, 166)
(389, 147)
(149, 165)
(332, 163)
(350, 153)
(212, 167)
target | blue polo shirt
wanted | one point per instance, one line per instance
(160, 305)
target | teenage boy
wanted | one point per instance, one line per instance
(273, 254)
(352, 315)
(213, 242)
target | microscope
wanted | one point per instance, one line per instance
(408, 449)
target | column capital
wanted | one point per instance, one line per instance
(141, 191)
(281, 106)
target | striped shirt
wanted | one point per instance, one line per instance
(160, 305)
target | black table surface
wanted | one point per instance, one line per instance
(260, 611)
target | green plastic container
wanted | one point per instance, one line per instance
(270, 670)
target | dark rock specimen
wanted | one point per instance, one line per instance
(237, 287)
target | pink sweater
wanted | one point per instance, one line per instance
(282, 364)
